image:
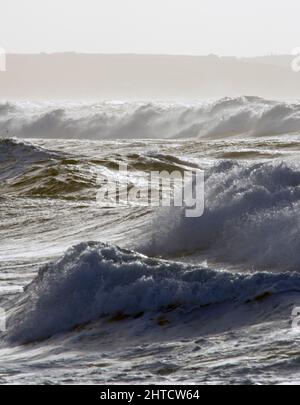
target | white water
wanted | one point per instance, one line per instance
(227, 117)
(215, 307)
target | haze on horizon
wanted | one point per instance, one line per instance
(180, 27)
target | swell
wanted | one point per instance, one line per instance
(16, 155)
(94, 280)
(227, 117)
(28, 170)
(31, 171)
(14, 150)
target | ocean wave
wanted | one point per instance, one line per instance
(17, 155)
(251, 217)
(14, 150)
(32, 171)
(227, 117)
(94, 280)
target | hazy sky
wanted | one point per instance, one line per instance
(225, 27)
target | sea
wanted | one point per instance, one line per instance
(135, 294)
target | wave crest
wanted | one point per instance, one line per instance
(32, 171)
(251, 217)
(93, 280)
(227, 117)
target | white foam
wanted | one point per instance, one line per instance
(247, 116)
(94, 279)
(251, 216)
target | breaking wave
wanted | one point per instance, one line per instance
(247, 116)
(93, 280)
(252, 216)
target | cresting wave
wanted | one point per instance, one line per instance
(32, 171)
(93, 280)
(29, 170)
(13, 151)
(251, 217)
(227, 117)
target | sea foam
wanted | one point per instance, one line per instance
(227, 117)
(93, 280)
(251, 216)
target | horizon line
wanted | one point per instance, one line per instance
(146, 54)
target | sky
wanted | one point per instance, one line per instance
(189, 27)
